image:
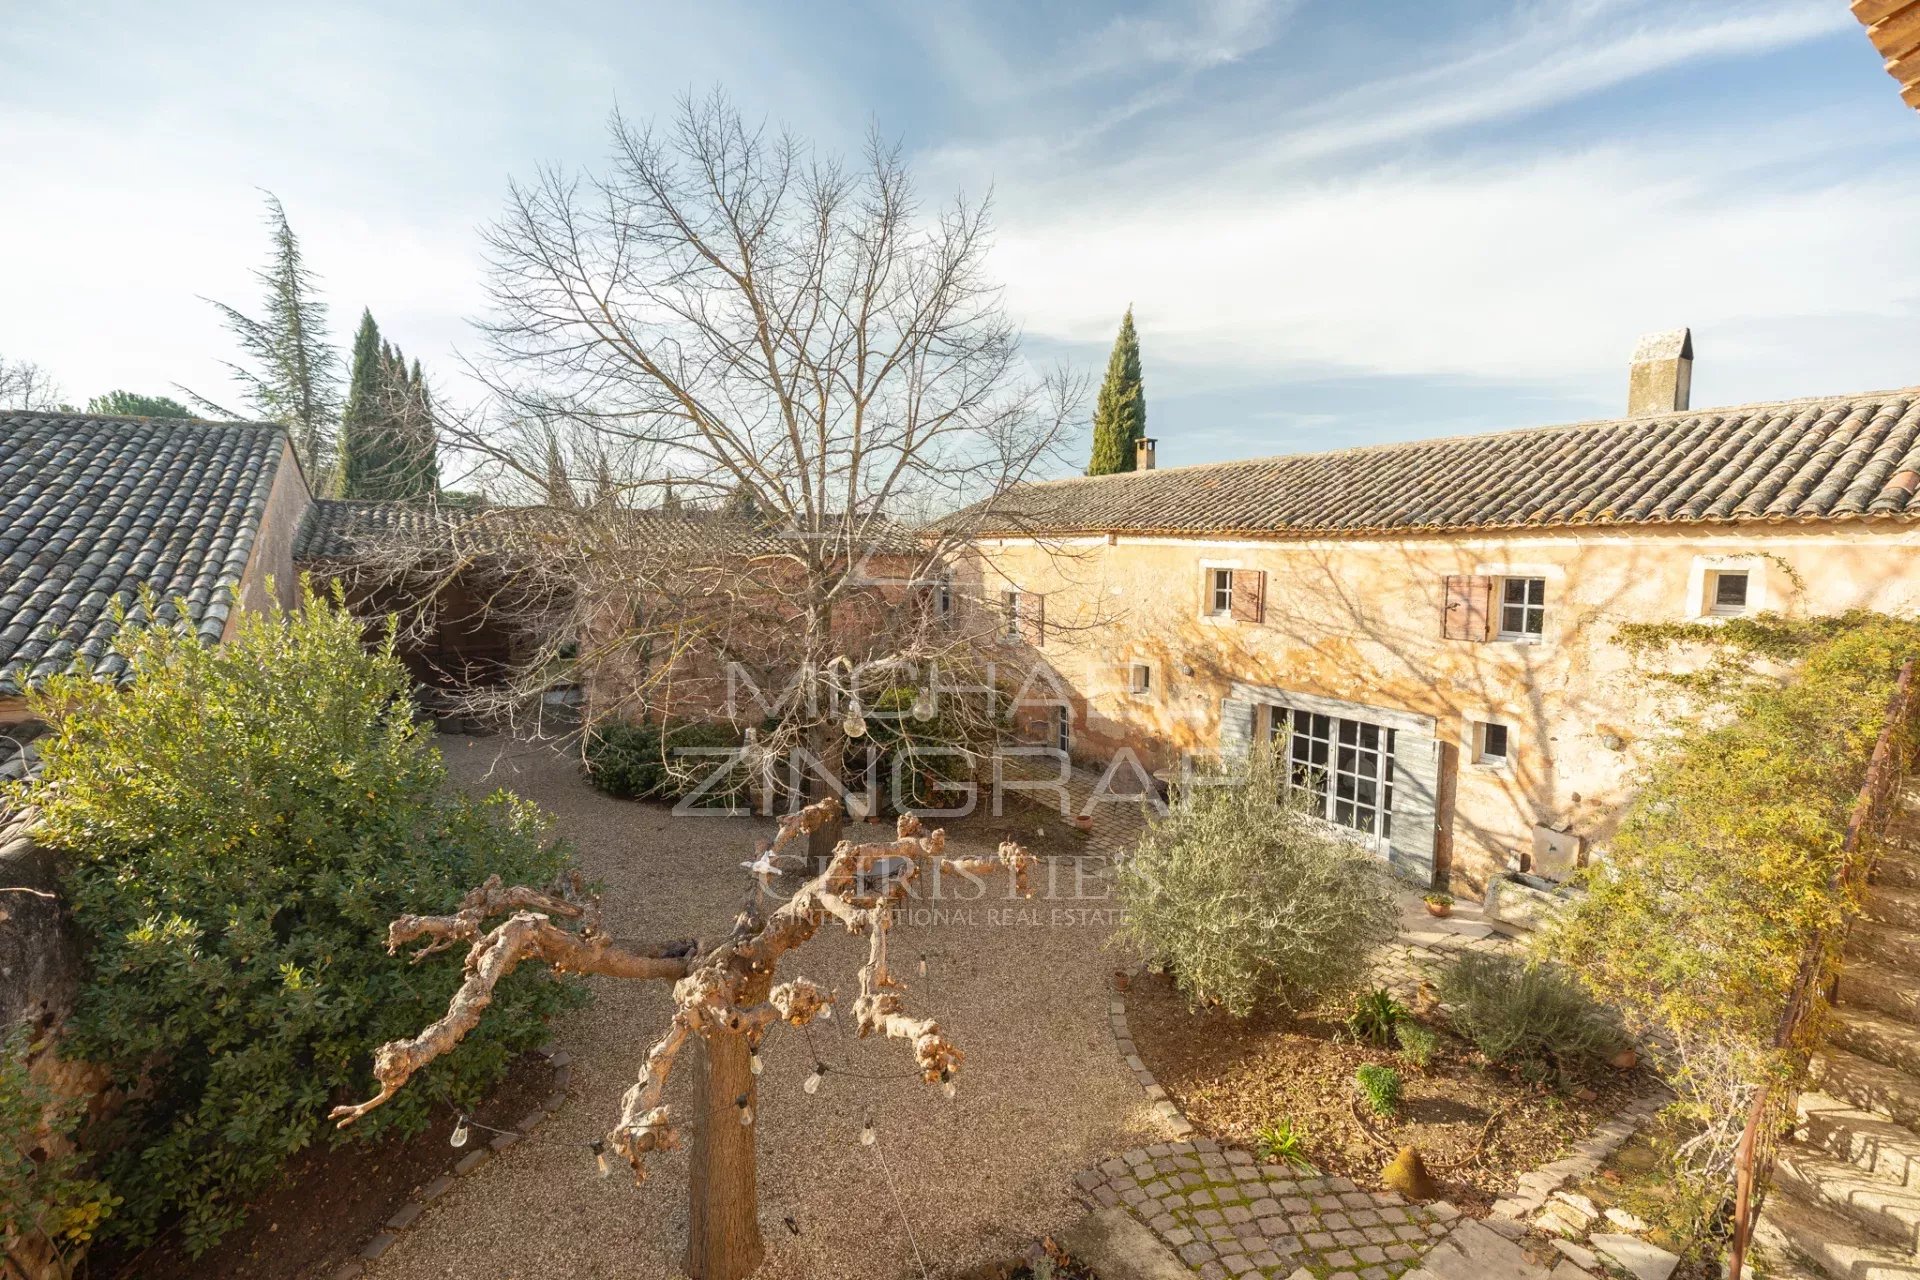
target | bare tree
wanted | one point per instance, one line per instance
(725, 1002)
(25, 385)
(727, 317)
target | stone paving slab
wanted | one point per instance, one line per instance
(1226, 1216)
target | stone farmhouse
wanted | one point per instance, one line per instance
(1428, 630)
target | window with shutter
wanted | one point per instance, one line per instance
(1217, 593)
(1469, 606)
(1249, 595)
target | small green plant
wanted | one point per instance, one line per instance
(649, 762)
(1527, 1014)
(1375, 1015)
(1417, 1044)
(1380, 1086)
(47, 1202)
(1437, 899)
(1283, 1141)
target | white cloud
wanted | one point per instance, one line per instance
(1540, 271)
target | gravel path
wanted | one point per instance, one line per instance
(1042, 1096)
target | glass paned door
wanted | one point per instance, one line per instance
(1346, 766)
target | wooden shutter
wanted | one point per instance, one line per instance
(1249, 595)
(1416, 806)
(1469, 613)
(1236, 728)
(1032, 609)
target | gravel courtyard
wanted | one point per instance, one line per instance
(949, 1184)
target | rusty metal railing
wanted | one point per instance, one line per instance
(1814, 981)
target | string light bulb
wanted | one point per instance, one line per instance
(854, 723)
(746, 1110)
(753, 1061)
(867, 1136)
(459, 1136)
(600, 1161)
(826, 1012)
(812, 1085)
(923, 964)
(947, 1086)
(924, 707)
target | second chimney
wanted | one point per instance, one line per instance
(1660, 379)
(1143, 453)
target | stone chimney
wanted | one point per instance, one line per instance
(1143, 453)
(1660, 379)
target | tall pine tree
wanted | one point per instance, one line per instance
(1120, 412)
(294, 377)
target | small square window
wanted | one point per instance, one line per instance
(1139, 678)
(1220, 592)
(1063, 729)
(1523, 608)
(1490, 743)
(1729, 593)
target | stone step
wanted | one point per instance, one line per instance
(1899, 865)
(1792, 1226)
(1889, 904)
(1891, 945)
(1888, 1040)
(1842, 1131)
(1869, 1085)
(1869, 984)
(1883, 1209)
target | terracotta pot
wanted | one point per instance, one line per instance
(1083, 822)
(1625, 1060)
(1121, 979)
(1439, 908)
(1586, 1095)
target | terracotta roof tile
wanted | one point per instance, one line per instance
(94, 509)
(1847, 457)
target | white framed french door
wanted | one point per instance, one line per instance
(1345, 766)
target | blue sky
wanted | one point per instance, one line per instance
(1338, 223)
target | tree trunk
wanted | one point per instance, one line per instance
(830, 751)
(723, 1199)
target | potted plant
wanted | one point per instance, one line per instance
(1083, 822)
(1439, 904)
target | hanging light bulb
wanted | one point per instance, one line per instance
(600, 1161)
(924, 707)
(459, 1135)
(947, 1086)
(753, 1061)
(867, 1136)
(854, 723)
(923, 964)
(746, 1110)
(812, 1086)
(826, 1013)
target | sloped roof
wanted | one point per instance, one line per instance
(1894, 28)
(344, 530)
(1846, 457)
(93, 509)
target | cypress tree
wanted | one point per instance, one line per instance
(361, 422)
(1120, 412)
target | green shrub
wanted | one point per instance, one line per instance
(934, 747)
(1417, 1044)
(1249, 900)
(1283, 1141)
(645, 762)
(1721, 874)
(48, 1203)
(244, 820)
(1526, 1014)
(1380, 1086)
(1374, 1016)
